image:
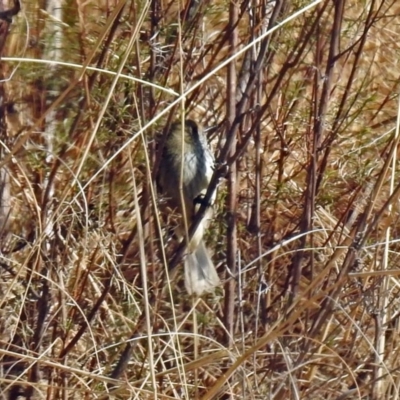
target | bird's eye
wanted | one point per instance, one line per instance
(193, 127)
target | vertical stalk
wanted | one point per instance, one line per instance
(5, 195)
(381, 319)
(232, 183)
(306, 223)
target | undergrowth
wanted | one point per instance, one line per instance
(301, 99)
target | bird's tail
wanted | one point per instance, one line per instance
(200, 273)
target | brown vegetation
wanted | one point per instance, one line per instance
(302, 98)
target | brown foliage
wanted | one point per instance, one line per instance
(302, 99)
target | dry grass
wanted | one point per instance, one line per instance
(304, 236)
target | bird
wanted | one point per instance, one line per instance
(187, 163)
